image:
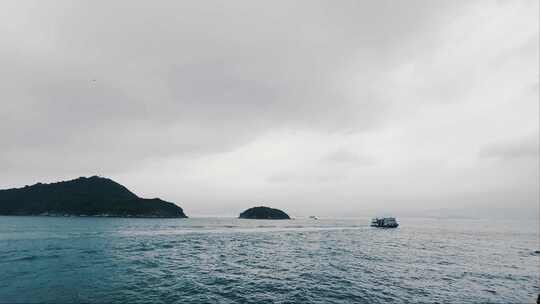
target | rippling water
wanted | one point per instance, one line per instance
(45, 259)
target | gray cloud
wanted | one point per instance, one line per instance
(527, 147)
(348, 157)
(264, 94)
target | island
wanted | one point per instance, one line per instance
(84, 196)
(264, 213)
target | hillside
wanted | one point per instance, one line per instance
(93, 196)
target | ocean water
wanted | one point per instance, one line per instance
(226, 260)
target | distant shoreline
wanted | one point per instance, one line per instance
(93, 216)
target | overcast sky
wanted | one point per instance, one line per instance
(316, 107)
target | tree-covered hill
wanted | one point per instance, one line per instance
(93, 196)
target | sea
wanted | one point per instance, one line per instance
(229, 260)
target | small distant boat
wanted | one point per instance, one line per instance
(384, 222)
(313, 217)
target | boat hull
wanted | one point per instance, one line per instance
(386, 226)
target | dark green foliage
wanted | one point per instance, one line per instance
(83, 196)
(264, 213)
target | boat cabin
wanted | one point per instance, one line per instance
(384, 222)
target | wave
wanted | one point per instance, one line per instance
(33, 258)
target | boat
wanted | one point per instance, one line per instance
(384, 222)
(313, 217)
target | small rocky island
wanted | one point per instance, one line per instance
(264, 213)
(93, 196)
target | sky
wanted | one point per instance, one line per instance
(315, 107)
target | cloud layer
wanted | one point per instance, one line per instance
(367, 106)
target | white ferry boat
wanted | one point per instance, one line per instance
(384, 222)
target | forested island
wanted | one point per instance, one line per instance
(92, 196)
(264, 213)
